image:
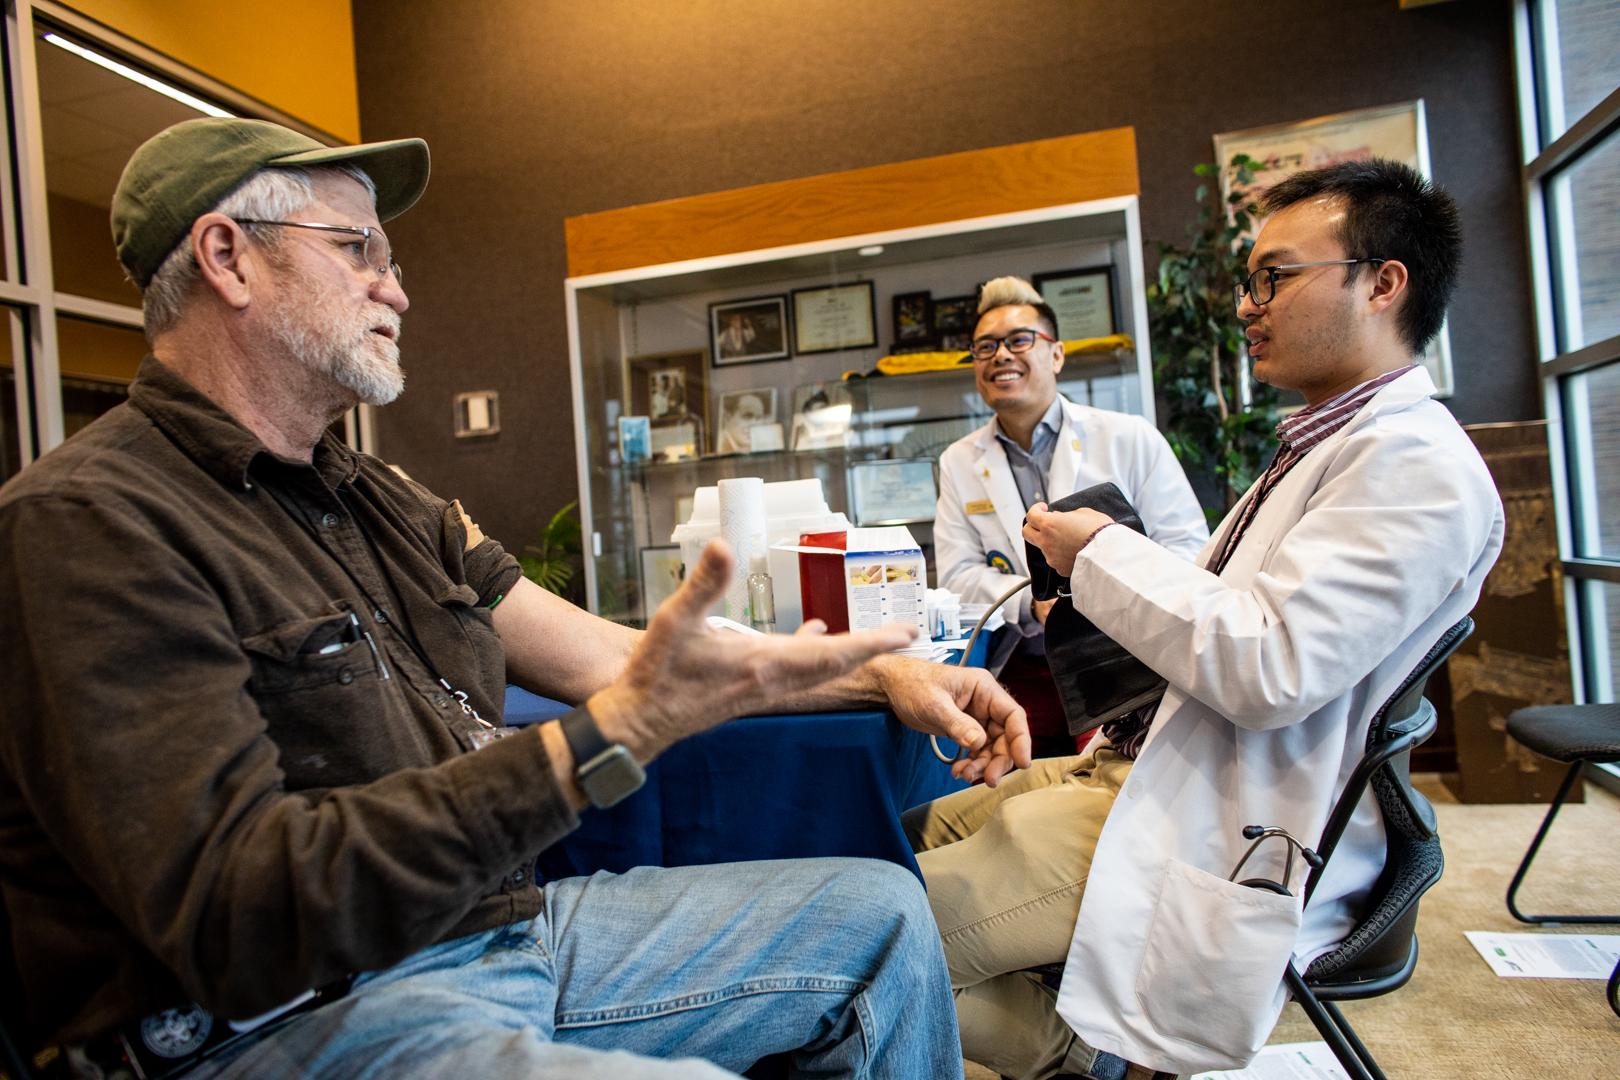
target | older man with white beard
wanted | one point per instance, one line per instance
(248, 768)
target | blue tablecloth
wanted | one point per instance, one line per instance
(762, 787)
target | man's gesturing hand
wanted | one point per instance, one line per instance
(685, 677)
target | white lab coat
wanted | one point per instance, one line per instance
(980, 514)
(1361, 558)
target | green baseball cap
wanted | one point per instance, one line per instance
(184, 171)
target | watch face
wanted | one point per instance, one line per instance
(611, 776)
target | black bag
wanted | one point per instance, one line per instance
(1097, 680)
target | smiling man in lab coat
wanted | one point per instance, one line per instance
(1039, 447)
(1368, 536)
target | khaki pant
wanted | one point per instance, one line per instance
(1005, 869)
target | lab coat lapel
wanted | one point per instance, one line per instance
(1066, 457)
(1003, 490)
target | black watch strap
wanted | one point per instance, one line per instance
(584, 738)
(605, 771)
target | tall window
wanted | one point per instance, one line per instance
(1570, 112)
(78, 102)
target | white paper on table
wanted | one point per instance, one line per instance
(1286, 1061)
(1547, 956)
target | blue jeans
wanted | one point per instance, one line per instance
(836, 960)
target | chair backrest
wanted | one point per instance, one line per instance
(1380, 946)
(1404, 721)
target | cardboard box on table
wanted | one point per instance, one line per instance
(863, 578)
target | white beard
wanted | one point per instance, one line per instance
(341, 345)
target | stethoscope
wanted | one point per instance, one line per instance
(967, 651)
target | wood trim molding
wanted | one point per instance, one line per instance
(906, 194)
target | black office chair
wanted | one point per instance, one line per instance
(1579, 735)
(1381, 953)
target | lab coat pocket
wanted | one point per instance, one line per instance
(1214, 961)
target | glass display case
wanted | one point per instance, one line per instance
(765, 363)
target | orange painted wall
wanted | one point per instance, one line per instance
(296, 55)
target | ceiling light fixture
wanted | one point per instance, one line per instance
(870, 249)
(189, 100)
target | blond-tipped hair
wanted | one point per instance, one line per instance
(1007, 291)
(1003, 291)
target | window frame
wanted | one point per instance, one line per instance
(28, 284)
(1556, 301)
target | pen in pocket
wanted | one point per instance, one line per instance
(371, 643)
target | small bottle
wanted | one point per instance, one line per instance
(761, 597)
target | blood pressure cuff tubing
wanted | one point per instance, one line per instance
(1097, 680)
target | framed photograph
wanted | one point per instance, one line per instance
(835, 317)
(669, 388)
(954, 319)
(635, 439)
(1082, 300)
(1398, 132)
(741, 411)
(913, 321)
(662, 572)
(748, 331)
(821, 416)
(892, 492)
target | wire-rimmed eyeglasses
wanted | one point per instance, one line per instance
(1019, 341)
(373, 249)
(1261, 286)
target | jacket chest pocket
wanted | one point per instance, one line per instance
(318, 685)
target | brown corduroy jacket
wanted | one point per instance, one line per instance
(211, 787)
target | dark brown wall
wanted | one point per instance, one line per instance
(540, 109)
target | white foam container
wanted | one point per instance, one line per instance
(792, 507)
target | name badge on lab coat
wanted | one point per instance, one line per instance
(980, 506)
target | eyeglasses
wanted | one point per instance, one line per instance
(1019, 341)
(1261, 286)
(372, 249)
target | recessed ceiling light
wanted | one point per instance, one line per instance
(870, 249)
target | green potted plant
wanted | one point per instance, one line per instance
(550, 563)
(1220, 423)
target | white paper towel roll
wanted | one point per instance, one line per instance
(742, 525)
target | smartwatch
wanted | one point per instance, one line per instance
(606, 771)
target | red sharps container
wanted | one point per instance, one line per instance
(821, 581)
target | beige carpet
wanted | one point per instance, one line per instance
(1456, 1019)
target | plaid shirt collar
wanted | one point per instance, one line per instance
(1310, 426)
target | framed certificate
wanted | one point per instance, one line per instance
(835, 317)
(1082, 300)
(892, 492)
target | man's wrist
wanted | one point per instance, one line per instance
(875, 677)
(606, 771)
(620, 722)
